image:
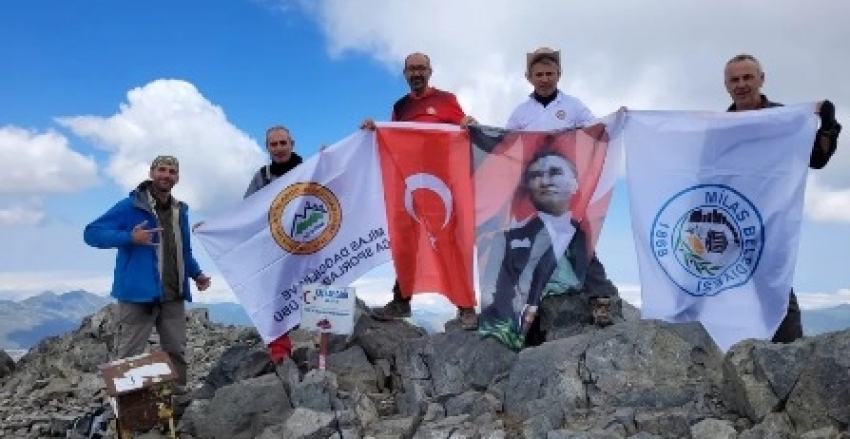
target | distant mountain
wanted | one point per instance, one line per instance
(26, 322)
(226, 313)
(818, 321)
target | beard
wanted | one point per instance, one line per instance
(417, 83)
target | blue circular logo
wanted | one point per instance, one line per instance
(707, 239)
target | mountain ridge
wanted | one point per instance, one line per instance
(25, 322)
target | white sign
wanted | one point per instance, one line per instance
(328, 308)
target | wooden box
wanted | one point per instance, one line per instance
(141, 390)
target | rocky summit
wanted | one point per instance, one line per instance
(634, 379)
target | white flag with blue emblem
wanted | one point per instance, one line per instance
(717, 202)
(323, 222)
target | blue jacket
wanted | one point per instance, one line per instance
(137, 275)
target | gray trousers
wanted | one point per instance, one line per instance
(137, 320)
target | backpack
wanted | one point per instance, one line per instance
(266, 175)
(92, 425)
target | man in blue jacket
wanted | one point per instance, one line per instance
(154, 263)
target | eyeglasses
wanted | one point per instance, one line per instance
(279, 142)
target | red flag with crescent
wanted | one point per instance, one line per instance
(428, 194)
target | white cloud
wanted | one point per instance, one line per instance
(35, 166)
(29, 283)
(651, 54)
(22, 284)
(824, 300)
(824, 203)
(20, 216)
(631, 293)
(172, 117)
(42, 164)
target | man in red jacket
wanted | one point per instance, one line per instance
(429, 105)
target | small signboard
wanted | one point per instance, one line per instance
(140, 390)
(328, 309)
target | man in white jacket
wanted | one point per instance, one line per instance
(546, 109)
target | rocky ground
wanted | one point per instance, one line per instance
(635, 379)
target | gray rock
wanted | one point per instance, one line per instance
(444, 365)
(713, 429)
(592, 434)
(243, 410)
(773, 426)
(317, 391)
(539, 426)
(7, 364)
(666, 423)
(454, 427)
(414, 397)
(381, 340)
(567, 315)
(302, 424)
(632, 364)
(288, 372)
(645, 435)
(758, 376)
(490, 426)
(237, 363)
(821, 395)
(353, 370)
(434, 412)
(472, 403)
(364, 408)
(642, 378)
(392, 428)
(823, 433)
(625, 417)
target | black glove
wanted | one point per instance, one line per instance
(827, 115)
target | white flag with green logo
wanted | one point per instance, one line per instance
(323, 222)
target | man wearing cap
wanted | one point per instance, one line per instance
(548, 109)
(153, 265)
(429, 105)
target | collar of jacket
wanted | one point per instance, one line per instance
(765, 103)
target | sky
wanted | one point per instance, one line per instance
(91, 91)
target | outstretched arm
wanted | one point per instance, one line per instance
(826, 139)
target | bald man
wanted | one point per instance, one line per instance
(428, 105)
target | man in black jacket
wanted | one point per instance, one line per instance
(279, 144)
(744, 78)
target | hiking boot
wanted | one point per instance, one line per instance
(468, 319)
(601, 310)
(396, 309)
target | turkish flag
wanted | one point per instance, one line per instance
(428, 194)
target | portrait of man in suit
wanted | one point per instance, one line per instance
(546, 253)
